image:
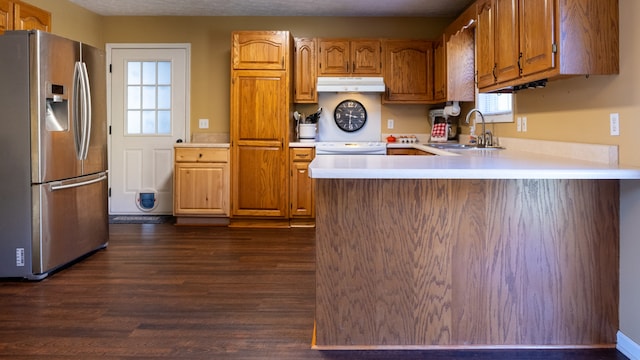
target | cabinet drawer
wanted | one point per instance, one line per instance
(302, 154)
(201, 155)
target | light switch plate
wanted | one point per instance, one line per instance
(203, 123)
(614, 124)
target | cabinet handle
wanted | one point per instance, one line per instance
(493, 71)
(520, 63)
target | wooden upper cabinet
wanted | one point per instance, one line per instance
(366, 57)
(440, 70)
(305, 65)
(408, 71)
(29, 17)
(349, 57)
(520, 41)
(507, 41)
(15, 15)
(263, 50)
(536, 30)
(6, 15)
(454, 59)
(485, 43)
(460, 67)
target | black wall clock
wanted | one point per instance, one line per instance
(350, 115)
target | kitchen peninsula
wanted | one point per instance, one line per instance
(490, 248)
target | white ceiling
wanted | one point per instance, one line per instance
(393, 8)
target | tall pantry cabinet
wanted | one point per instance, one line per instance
(260, 104)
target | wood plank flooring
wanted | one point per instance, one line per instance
(161, 291)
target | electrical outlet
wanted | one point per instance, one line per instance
(519, 124)
(390, 124)
(524, 124)
(614, 124)
(203, 123)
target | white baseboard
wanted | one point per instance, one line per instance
(628, 347)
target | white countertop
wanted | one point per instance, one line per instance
(465, 164)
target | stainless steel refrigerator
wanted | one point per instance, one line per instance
(53, 153)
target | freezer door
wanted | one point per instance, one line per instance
(70, 220)
(96, 156)
(54, 130)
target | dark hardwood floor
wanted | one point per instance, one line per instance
(163, 291)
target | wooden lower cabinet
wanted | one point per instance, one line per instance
(201, 184)
(407, 151)
(301, 187)
(259, 182)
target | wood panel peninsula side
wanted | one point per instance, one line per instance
(432, 260)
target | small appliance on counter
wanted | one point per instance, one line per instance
(443, 128)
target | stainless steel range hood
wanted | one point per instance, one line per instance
(351, 84)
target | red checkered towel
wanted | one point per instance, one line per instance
(439, 132)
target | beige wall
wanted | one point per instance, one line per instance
(567, 110)
(73, 22)
(210, 45)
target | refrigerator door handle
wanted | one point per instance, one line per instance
(86, 107)
(60, 186)
(76, 111)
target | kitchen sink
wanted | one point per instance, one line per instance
(456, 146)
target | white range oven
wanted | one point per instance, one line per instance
(350, 123)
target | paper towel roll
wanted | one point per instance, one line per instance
(453, 109)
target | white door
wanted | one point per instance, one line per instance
(149, 112)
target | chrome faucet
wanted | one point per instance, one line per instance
(483, 140)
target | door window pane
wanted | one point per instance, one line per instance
(149, 73)
(149, 122)
(164, 97)
(164, 122)
(133, 122)
(133, 73)
(164, 72)
(149, 98)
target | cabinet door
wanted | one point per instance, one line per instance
(366, 57)
(201, 189)
(265, 50)
(260, 186)
(485, 44)
(305, 71)
(461, 67)
(507, 40)
(28, 17)
(408, 71)
(537, 35)
(259, 107)
(440, 71)
(6, 16)
(333, 57)
(301, 190)
(259, 125)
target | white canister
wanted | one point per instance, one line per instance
(307, 131)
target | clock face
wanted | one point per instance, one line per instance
(350, 115)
